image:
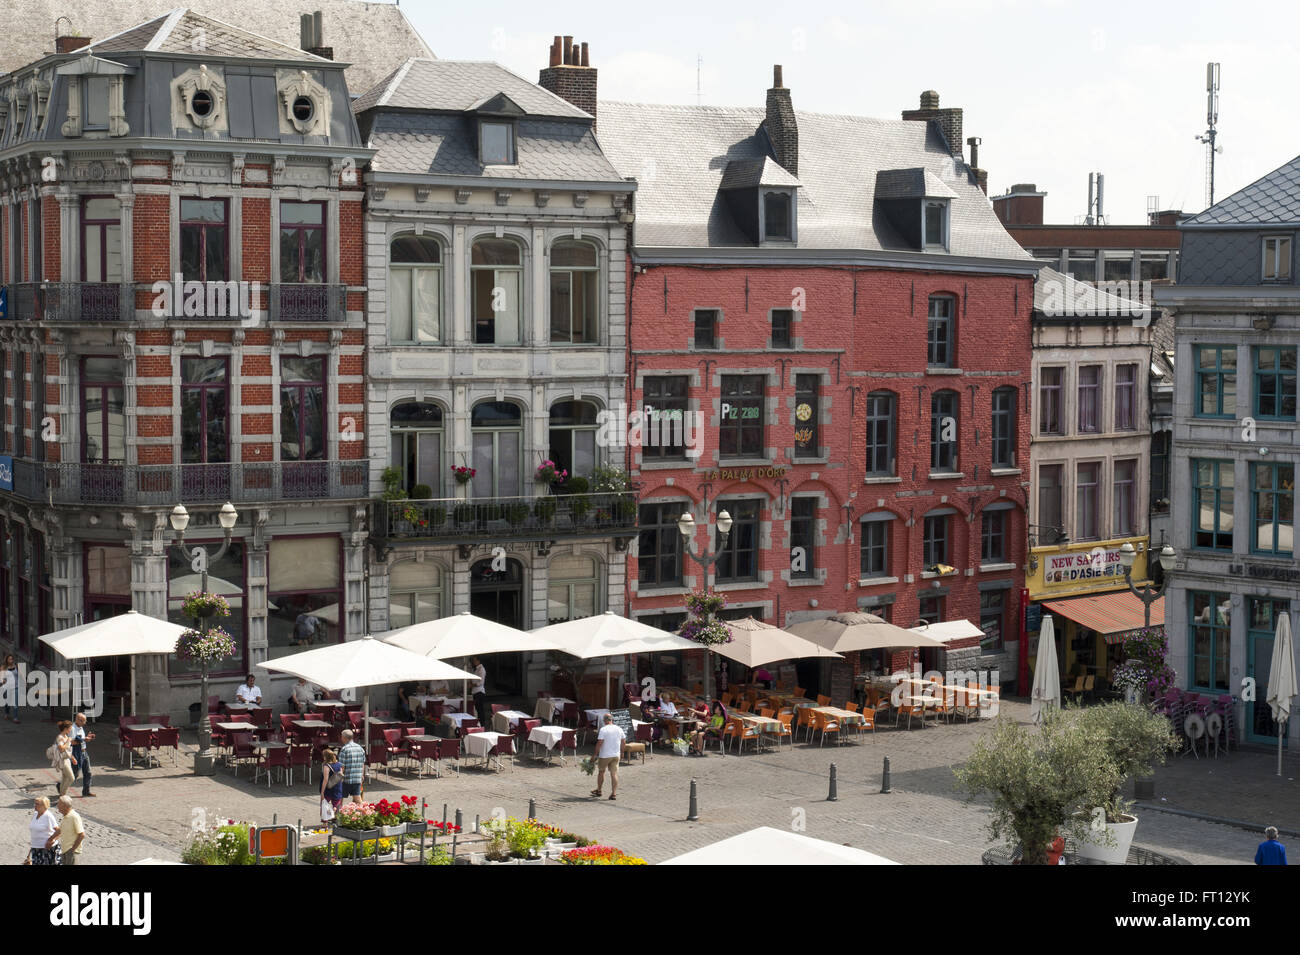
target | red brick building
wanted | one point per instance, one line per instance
(830, 306)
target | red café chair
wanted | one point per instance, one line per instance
(273, 759)
(168, 737)
(354, 719)
(313, 716)
(300, 754)
(570, 715)
(241, 750)
(378, 756)
(133, 740)
(447, 749)
(469, 726)
(287, 727)
(505, 746)
(498, 707)
(568, 740)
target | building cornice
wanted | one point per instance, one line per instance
(916, 261)
(1231, 297)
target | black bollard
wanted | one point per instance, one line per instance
(884, 780)
(459, 821)
(476, 828)
(444, 814)
(532, 808)
(694, 812)
(833, 797)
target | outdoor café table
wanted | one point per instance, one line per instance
(268, 744)
(551, 707)
(326, 704)
(843, 716)
(595, 716)
(547, 737)
(236, 727)
(454, 720)
(311, 724)
(151, 727)
(764, 724)
(502, 719)
(480, 744)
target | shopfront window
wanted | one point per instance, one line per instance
(225, 577)
(305, 595)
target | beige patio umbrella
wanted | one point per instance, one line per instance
(848, 631)
(1282, 680)
(754, 643)
(1047, 675)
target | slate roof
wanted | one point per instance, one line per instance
(749, 173)
(184, 31)
(917, 183)
(458, 85)
(1271, 199)
(373, 38)
(678, 155)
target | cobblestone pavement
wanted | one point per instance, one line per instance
(1241, 785)
(149, 812)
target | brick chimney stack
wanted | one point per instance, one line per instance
(66, 44)
(1021, 205)
(782, 128)
(981, 175)
(570, 74)
(949, 120)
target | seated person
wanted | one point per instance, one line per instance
(762, 676)
(667, 707)
(304, 694)
(705, 723)
(249, 692)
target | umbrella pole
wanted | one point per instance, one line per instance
(1279, 747)
(606, 683)
(365, 731)
(133, 684)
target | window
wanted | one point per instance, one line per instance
(993, 614)
(1087, 485)
(807, 412)
(414, 290)
(573, 437)
(741, 431)
(934, 541)
(1004, 428)
(930, 607)
(103, 417)
(497, 435)
(1126, 397)
(415, 433)
(1216, 381)
(1051, 393)
(1125, 499)
(936, 225)
(659, 545)
(496, 145)
(302, 409)
(706, 328)
(1089, 399)
(776, 215)
(1210, 623)
(575, 303)
(1160, 444)
(101, 240)
(302, 242)
(496, 278)
(95, 89)
(781, 322)
(1117, 266)
(803, 537)
(875, 546)
(204, 240)
(881, 428)
(204, 396)
(993, 536)
(573, 588)
(940, 346)
(304, 594)
(738, 560)
(1277, 259)
(1273, 508)
(665, 407)
(4, 418)
(304, 108)
(1154, 266)
(1275, 370)
(1082, 265)
(225, 577)
(1212, 504)
(415, 593)
(943, 432)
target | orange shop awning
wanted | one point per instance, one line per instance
(1113, 614)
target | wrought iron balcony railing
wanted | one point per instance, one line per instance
(309, 303)
(90, 302)
(544, 517)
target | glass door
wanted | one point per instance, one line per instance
(1264, 614)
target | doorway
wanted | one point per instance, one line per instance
(497, 595)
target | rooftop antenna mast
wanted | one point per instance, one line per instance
(699, 73)
(1096, 199)
(1211, 132)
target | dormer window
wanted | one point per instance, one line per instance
(1277, 259)
(776, 216)
(936, 225)
(96, 102)
(496, 143)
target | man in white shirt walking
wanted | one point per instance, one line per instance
(609, 747)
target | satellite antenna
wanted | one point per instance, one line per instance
(1211, 122)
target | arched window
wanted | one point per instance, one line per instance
(574, 588)
(416, 441)
(496, 284)
(575, 303)
(497, 434)
(415, 593)
(573, 436)
(415, 290)
(943, 432)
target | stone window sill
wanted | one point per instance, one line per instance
(877, 581)
(947, 476)
(882, 480)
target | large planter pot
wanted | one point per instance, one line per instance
(1095, 846)
(416, 828)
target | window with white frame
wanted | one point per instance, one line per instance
(574, 588)
(415, 593)
(496, 279)
(1277, 258)
(575, 306)
(936, 225)
(415, 290)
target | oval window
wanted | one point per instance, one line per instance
(303, 109)
(201, 102)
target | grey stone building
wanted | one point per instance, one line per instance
(1237, 328)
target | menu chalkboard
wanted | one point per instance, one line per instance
(623, 720)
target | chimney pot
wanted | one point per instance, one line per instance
(555, 52)
(585, 60)
(930, 100)
(568, 51)
(776, 76)
(66, 44)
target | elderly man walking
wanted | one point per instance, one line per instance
(72, 832)
(81, 755)
(353, 758)
(609, 748)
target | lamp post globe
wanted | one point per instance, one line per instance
(686, 524)
(1167, 557)
(724, 522)
(1127, 555)
(180, 518)
(228, 516)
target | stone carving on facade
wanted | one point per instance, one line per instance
(237, 169)
(422, 193)
(206, 111)
(462, 196)
(304, 104)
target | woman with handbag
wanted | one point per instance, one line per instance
(331, 785)
(61, 756)
(44, 832)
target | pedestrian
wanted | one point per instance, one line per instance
(1270, 851)
(609, 749)
(331, 785)
(480, 691)
(353, 760)
(9, 687)
(404, 693)
(61, 756)
(43, 832)
(72, 832)
(81, 753)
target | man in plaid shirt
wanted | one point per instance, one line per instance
(353, 758)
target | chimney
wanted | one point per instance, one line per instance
(570, 74)
(66, 44)
(981, 175)
(948, 120)
(782, 128)
(311, 36)
(1022, 205)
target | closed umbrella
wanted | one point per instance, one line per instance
(1282, 680)
(754, 643)
(1047, 677)
(365, 662)
(844, 632)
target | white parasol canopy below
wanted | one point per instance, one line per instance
(844, 632)
(768, 846)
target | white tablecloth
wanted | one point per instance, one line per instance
(595, 716)
(456, 719)
(502, 719)
(549, 708)
(547, 736)
(478, 744)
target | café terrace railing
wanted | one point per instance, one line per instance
(538, 518)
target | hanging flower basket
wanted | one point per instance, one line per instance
(548, 472)
(210, 647)
(463, 474)
(201, 606)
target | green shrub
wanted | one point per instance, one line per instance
(393, 490)
(545, 509)
(438, 856)
(576, 485)
(421, 492)
(1135, 739)
(516, 514)
(225, 845)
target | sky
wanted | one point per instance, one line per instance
(1056, 89)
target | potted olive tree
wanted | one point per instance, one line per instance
(1040, 780)
(1135, 740)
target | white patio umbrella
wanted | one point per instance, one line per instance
(768, 846)
(126, 634)
(1282, 680)
(464, 635)
(754, 643)
(844, 632)
(1047, 676)
(610, 634)
(365, 662)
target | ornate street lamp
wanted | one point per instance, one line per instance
(686, 525)
(1148, 594)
